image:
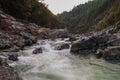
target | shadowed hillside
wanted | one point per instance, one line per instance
(93, 15)
(31, 11)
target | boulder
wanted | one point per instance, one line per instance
(112, 53)
(5, 44)
(28, 37)
(62, 46)
(84, 45)
(43, 33)
(7, 72)
(13, 57)
(71, 38)
(37, 50)
(103, 39)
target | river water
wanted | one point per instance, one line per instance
(61, 65)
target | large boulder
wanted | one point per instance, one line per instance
(7, 72)
(84, 45)
(103, 39)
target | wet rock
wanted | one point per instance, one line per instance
(13, 57)
(99, 53)
(112, 53)
(28, 37)
(84, 45)
(71, 38)
(5, 44)
(62, 46)
(7, 72)
(103, 39)
(37, 50)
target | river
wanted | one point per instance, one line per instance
(61, 65)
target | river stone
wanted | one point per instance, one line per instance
(13, 57)
(62, 46)
(37, 50)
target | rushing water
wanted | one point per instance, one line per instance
(61, 65)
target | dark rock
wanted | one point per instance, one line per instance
(28, 42)
(37, 50)
(13, 57)
(72, 38)
(99, 53)
(28, 36)
(85, 44)
(5, 44)
(62, 46)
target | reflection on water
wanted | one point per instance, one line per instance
(61, 65)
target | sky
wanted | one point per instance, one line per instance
(58, 6)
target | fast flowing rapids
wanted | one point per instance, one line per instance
(61, 65)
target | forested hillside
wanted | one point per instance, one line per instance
(93, 15)
(31, 11)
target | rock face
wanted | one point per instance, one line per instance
(37, 50)
(7, 72)
(104, 44)
(14, 33)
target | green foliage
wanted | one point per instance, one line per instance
(32, 11)
(85, 16)
(111, 17)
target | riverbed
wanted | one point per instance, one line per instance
(61, 65)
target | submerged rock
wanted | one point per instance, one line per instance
(13, 57)
(62, 46)
(37, 50)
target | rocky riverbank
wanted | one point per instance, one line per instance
(15, 36)
(104, 44)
